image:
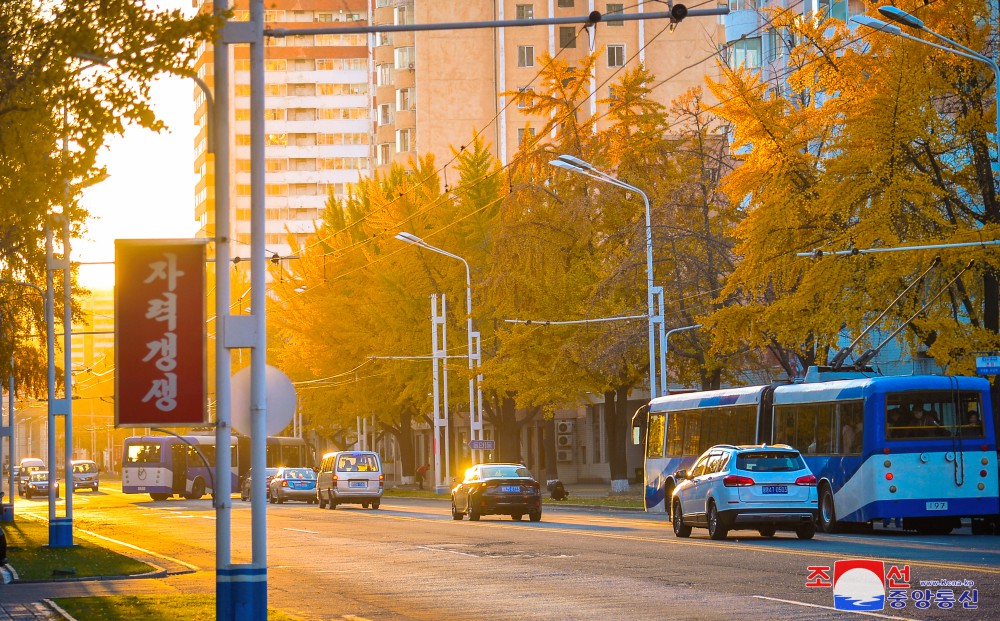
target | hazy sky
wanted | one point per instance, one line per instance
(150, 189)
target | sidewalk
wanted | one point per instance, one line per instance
(12, 610)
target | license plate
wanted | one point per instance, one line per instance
(510, 488)
(937, 505)
(357, 484)
(774, 489)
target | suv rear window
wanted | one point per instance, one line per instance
(773, 461)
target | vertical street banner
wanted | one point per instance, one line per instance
(160, 341)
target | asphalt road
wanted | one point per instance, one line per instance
(410, 560)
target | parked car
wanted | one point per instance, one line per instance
(293, 484)
(24, 469)
(746, 487)
(497, 489)
(85, 474)
(248, 479)
(350, 477)
(38, 484)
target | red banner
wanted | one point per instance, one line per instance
(160, 343)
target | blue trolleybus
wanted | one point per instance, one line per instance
(918, 448)
(162, 466)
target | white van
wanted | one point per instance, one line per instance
(350, 477)
(85, 474)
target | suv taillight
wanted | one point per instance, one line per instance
(734, 480)
(809, 479)
(284, 483)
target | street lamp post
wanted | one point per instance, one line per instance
(902, 17)
(475, 393)
(666, 346)
(654, 294)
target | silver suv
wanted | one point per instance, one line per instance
(763, 487)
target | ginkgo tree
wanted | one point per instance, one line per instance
(857, 149)
(574, 249)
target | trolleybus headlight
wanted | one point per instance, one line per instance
(985, 461)
(888, 476)
(981, 487)
(892, 489)
(888, 463)
(982, 473)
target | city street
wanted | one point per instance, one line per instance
(410, 560)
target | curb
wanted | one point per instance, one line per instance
(58, 610)
(158, 572)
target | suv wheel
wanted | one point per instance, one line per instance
(767, 531)
(716, 530)
(455, 513)
(806, 532)
(535, 516)
(473, 513)
(322, 502)
(680, 529)
(827, 511)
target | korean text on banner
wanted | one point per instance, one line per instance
(160, 342)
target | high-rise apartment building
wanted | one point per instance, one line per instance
(434, 89)
(317, 121)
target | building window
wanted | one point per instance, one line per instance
(384, 153)
(745, 52)
(525, 11)
(404, 140)
(404, 14)
(385, 74)
(385, 114)
(567, 36)
(404, 58)
(523, 132)
(382, 3)
(742, 5)
(526, 101)
(565, 4)
(404, 99)
(616, 55)
(614, 9)
(526, 56)
(841, 9)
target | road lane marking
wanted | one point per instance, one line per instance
(732, 545)
(302, 530)
(129, 545)
(447, 550)
(857, 612)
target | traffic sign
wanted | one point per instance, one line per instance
(987, 365)
(482, 445)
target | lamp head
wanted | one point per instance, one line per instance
(409, 238)
(900, 16)
(876, 24)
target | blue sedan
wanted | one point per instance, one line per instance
(293, 484)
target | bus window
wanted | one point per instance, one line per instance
(932, 414)
(654, 438)
(143, 453)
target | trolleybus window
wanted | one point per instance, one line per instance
(820, 428)
(143, 453)
(932, 414)
(692, 432)
(654, 437)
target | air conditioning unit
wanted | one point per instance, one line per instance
(564, 441)
(564, 426)
(564, 455)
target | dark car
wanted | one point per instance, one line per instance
(497, 489)
(248, 478)
(38, 484)
(23, 472)
(293, 484)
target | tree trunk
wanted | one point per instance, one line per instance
(404, 438)
(508, 438)
(549, 446)
(616, 420)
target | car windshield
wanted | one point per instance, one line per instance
(87, 468)
(300, 473)
(39, 476)
(502, 472)
(769, 461)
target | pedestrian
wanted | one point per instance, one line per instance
(422, 474)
